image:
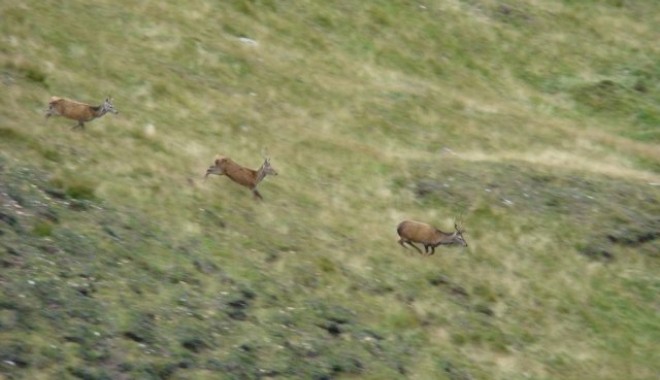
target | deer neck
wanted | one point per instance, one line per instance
(261, 173)
(445, 238)
(99, 111)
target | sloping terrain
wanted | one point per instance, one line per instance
(536, 123)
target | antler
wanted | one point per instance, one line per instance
(458, 224)
(264, 154)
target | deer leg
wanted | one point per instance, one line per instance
(403, 244)
(256, 194)
(80, 125)
(414, 246)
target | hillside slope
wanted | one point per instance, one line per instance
(537, 123)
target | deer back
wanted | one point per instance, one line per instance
(72, 109)
(418, 232)
(239, 174)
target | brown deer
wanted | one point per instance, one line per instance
(241, 175)
(411, 231)
(78, 111)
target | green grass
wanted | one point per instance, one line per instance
(535, 122)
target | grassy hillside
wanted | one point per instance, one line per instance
(536, 122)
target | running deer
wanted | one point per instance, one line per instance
(80, 112)
(241, 175)
(411, 231)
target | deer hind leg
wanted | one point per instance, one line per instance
(404, 242)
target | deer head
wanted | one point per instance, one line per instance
(457, 236)
(108, 107)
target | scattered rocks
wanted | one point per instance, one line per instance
(55, 193)
(205, 266)
(455, 373)
(639, 232)
(634, 235)
(332, 328)
(597, 251)
(238, 304)
(11, 220)
(142, 329)
(452, 289)
(194, 344)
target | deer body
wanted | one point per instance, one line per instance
(243, 176)
(411, 232)
(78, 111)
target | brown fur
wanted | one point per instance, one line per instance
(411, 231)
(78, 111)
(243, 176)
